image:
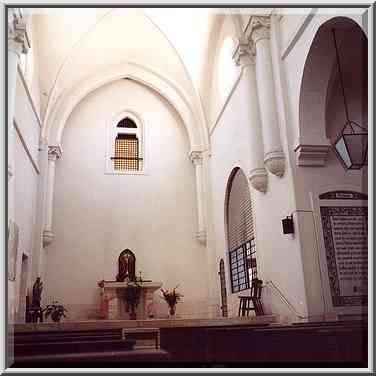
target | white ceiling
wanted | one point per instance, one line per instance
(73, 43)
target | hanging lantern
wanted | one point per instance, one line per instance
(351, 146)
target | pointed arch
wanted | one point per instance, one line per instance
(175, 95)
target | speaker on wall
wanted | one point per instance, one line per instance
(288, 225)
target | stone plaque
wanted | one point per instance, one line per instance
(345, 238)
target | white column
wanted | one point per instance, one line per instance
(54, 153)
(18, 43)
(260, 34)
(257, 175)
(196, 158)
(37, 260)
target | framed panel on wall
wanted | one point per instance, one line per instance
(343, 225)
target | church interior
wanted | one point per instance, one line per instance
(187, 186)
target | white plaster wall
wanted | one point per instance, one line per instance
(25, 201)
(216, 100)
(97, 215)
(313, 180)
(291, 19)
(26, 120)
(278, 255)
(24, 183)
(32, 68)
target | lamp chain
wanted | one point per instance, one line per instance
(341, 81)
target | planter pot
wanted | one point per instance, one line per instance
(55, 317)
(172, 310)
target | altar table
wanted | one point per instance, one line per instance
(113, 306)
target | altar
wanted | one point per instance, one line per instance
(113, 301)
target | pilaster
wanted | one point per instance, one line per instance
(54, 153)
(197, 159)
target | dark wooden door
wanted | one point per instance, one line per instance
(222, 279)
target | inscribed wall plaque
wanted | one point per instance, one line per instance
(345, 238)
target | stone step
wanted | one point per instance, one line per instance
(62, 346)
(93, 325)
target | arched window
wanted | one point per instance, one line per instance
(126, 146)
(240, 232)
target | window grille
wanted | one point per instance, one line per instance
(240, 232)
(125, 147)
(126, 153)
(126, 123)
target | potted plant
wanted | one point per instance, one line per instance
(171, 298)
(55, 310)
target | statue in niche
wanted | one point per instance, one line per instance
(35, 313)
(127, 267)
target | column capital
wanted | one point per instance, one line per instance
(259, 28)
(196, 157)
(244, 54)
(54, 152)
(18, 39)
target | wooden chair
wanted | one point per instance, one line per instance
(253, 301)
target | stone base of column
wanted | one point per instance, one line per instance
(275, 162)
(48, 236)
(201, 236)
(258, 178)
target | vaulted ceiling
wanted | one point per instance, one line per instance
(76, 43)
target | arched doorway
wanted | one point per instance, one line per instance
(240, 232)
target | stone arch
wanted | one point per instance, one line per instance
(317, 80)
(162, 85)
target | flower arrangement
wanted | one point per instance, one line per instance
(171, 298)
(55, 310)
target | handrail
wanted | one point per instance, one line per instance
(285, 300)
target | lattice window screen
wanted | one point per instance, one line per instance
(126, 123)
(239, 212)
(126, 152)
